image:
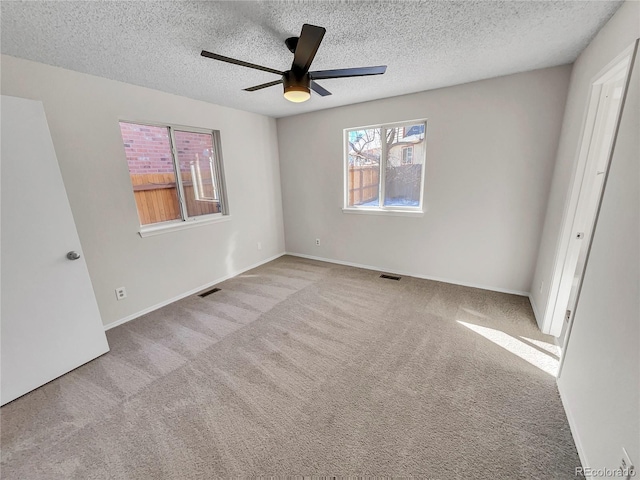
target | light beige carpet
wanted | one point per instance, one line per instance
(306, 368)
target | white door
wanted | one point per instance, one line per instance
(592, 188)
(50, 321)
(598, 139)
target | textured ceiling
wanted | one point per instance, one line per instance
(426, 45)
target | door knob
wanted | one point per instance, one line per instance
(73, 255)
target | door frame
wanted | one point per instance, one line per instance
(562, 275)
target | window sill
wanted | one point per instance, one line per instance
(378, 211)
(167, 227)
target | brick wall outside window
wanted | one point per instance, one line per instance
(148, 150)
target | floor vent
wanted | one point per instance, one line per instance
(208, 292)
(390, 277)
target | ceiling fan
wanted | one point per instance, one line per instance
(298, 81)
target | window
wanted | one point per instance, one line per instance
(407, 155)
(385, 167)
(176, 173)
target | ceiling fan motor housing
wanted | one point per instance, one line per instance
(291, 80)
(296, 86)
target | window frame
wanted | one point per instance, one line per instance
(381, 209)
(186, 221)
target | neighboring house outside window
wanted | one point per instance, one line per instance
(384, 167)
(176, 173)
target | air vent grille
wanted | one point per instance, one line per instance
(208, 292)
(390, 277)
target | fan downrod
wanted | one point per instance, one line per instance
(292, 43)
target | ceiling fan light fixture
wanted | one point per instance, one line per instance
(297, 93)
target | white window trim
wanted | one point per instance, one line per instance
(174, 225)
(186, 221)
(386, 211)
(382, 210)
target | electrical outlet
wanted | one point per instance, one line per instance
(626, 465)
(317, 242)
(121, 293)
(259, 245)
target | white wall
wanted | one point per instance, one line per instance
(600, 380)
(621, 30)
(490, 151)
(83, 113)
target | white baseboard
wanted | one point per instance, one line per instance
(310, 257)
(574, 430)
(190, 292)
(411, 274)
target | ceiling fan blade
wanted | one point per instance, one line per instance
(308, 45)
(319, 90)
(348, 72)
(222, 58)
(264, 85)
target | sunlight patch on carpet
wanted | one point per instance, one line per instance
(544, 361)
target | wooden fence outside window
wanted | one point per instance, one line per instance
(157, 197)
(364, 183)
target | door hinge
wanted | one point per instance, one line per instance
(567, 316)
